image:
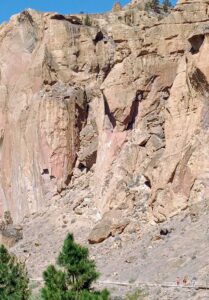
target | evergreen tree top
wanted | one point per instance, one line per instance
(73, 281)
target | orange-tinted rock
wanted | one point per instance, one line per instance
(122, 103)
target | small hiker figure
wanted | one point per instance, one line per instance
(194, 279)
(178, 281)
(185, 280)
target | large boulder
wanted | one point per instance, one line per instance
(111, 224)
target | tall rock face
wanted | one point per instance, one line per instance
(121, 104)
(45, 64)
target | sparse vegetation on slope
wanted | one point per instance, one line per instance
(136, 295)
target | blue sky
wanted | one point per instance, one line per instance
(10, 7)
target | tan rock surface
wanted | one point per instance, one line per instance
(105, 119)
(112, 223)
(77, 96)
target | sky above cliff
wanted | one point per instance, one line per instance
(10, 7)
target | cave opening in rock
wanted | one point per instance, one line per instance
(148, 182)
(196, 42)
(81, 167)
(45, 172)
(99, 37)
(164, 231)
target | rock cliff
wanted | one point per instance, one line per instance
(111, 118)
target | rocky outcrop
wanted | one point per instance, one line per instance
(117, 7)
(112, 223)
(118, 109)
(10, 233)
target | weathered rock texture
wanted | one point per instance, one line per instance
(118, 109)
(115, 113)
(104, 132)
(10, 234)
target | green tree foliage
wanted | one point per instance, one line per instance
(74, 278)
(87, 21)
(13, 277)
(155, 5)
(166, 5)
(148, 6)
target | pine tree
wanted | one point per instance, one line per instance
(55, 284)
(166, 5)
(87, 21)
(13, 277)
(73, 281)
(155, 5)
